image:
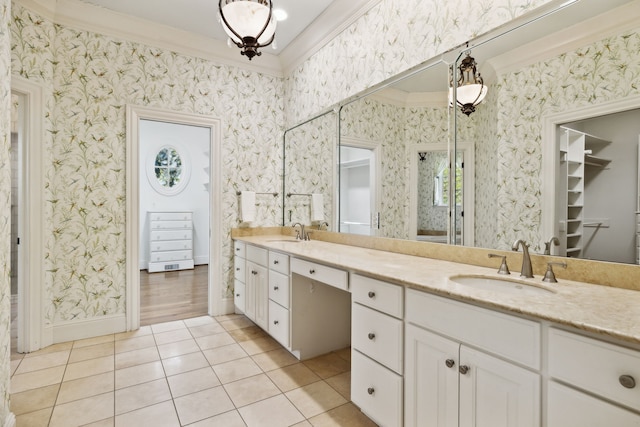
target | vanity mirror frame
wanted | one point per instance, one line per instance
(498, 36)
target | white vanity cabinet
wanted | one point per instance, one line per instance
(592, 382)
(239, 275)
(464, 365)
(256, 286)
(279, 297)
(377, 349)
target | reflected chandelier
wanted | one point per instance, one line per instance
(249, 24)
(470, 90)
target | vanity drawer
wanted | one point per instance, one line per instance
(170, 216)
(329, 275)
(279, 288)
(239, 297)
(376, 294)
(171, 235)
(257, 255)
(595, 366)
(378, 336)
(279, 323)
(170, 256)
(170, 245)
(240, 249)
(501, 334)
(279, 262)
(376, 390)
(239, 269)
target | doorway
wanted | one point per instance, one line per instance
(173, 201)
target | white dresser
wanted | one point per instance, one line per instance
(170, 241)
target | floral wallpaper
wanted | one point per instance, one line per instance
(5, 208)
(92, 77)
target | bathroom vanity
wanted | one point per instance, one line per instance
(429, 349)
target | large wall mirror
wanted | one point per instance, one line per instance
(544, 73)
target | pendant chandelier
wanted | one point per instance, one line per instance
(470, 90)
(249, 24)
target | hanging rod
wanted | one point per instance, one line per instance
(273, 194)
(298, 194)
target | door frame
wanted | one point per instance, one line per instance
(134, 114)
(32, 331)
(376, 148)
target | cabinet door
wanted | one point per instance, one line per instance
(260, 279)
(570, 408)
(431, 379)
(497, 393)
(239, 294)
(252, 270)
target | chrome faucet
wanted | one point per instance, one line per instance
(547, 245)
(302, 234)
(526, 271)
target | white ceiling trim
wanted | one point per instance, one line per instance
(334, 20)
(400, 98)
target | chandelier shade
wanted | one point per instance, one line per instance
(470, 88)
(249, 24)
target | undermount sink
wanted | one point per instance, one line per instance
(286, 240)
(500, 285)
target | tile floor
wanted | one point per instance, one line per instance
(205, 371)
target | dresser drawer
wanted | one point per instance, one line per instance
(279, 288)
(321, 273)
(171, 235)
(239, 249)
(170, 225)
(170, 256)
(376, 390)
(239, 269)
(378, 336)
(170, 216)
(279, 323)
(501, 334)
(376, 294)
(279, 262)
(595, 366)
(239, 297)
(257, 255)
(170, 245)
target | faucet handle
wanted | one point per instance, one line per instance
(504, 269)
(549, 275)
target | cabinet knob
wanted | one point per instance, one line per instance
(238, 269)
(275, 288)
(237, 249)
(238, 295)
(275, 322)
(312, 271)
(275, 261)
(463, 369)
(254, 272)
(371, 390)
(627, 381)
(371, 294)
(450, 363)
(371, 336)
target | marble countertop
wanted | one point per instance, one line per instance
(602, 310)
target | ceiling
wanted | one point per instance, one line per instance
(201, 16)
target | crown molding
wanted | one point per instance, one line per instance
(333, 21)
(400, 98)
(605, 25)
(87, 17)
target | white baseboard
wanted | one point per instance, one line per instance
(227, 305)
(10, 421)
(200, 260)
(88, 328)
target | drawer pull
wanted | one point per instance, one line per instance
(371, 336)
(371, 294)
(254, 272)
(275, 322)
(238, 269)
(627, 381)
(238, 295)
(450, 363)
(276, 262)
(237, 249)
(312, 271)
(463, 369)
(371, 390)
(275, 288)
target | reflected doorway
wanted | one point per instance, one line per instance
(359, 211)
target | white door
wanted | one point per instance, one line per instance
(495, 393)
(431, 379)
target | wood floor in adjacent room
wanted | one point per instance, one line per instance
(173, 295)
